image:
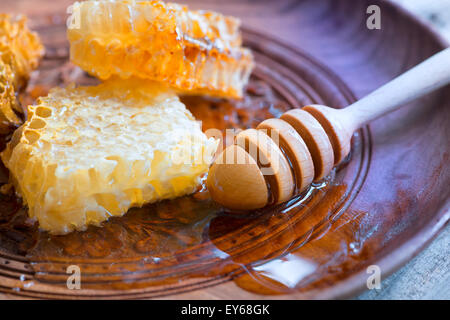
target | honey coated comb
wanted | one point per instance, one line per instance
(20, 52)
(195, 52)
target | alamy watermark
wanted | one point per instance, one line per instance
(74, 279)
(374, 19)
(374, 280)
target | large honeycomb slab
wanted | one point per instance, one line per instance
(88, 153)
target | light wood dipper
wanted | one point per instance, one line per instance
(253, 173)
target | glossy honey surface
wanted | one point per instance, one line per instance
(380, 207)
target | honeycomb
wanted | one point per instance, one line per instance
(8, 101)
(196, 52)
(20, 52)
(89, 153)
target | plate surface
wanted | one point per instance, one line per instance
(388, 199)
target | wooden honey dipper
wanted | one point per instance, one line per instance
(256, 171)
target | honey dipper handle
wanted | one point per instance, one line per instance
(427, 76)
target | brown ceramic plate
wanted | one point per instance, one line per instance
(380, 207)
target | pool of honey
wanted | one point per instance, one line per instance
(191, 242)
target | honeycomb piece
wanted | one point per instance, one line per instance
(20, 52)
(20, 47)
(195, 52)
(88, 153)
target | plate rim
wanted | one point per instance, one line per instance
(397, 258)
(355, 284)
